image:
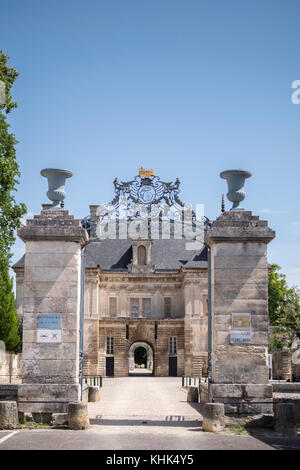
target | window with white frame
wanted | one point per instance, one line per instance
(112, 306)
(167, 307)
(146, 308)
(172, 345)
(109, 345)
(134, 308)
(140, 307)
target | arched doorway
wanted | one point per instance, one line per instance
(140, 359)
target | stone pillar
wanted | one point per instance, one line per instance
(239, 281)
(50, 375)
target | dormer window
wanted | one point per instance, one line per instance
(142, 255)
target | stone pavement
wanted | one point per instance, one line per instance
(137, 399)
(142, 413)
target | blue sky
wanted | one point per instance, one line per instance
(189, 87)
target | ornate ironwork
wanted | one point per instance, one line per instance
(146, 197)
(148, 191)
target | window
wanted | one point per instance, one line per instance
(167, 307)
(141, 255)
(146, 308)
(155, 331)
(109, 345)
(112, 306)
(173, 345)
(140, 307)
(127, 331)
(134, 308)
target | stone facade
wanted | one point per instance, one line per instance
(239, 282)
(187, 323)
(150, 291)
(48, 281)
(51, 285)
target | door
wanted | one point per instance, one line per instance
(110, 367)
(172, 366)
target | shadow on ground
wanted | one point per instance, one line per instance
(170, 421)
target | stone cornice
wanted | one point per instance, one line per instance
(239, 226)
(53, 225)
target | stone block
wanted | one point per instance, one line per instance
(8, 415)
(43, 407)
(50, 304)
(42, 351)
(51, 274)
(192, 395)
(50, 371)
(258, 391)
(78, 416)
(49, 392)
(93, 394)
(213, 417)
(285, 419)
(240, 249)
(53, 247)
(9, 392)
(231, 261)
(62, 260)
(254, 408)
(226, 390)
(40, 289)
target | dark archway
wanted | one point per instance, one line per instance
(140, 356)
(140, 359)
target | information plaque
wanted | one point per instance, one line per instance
(240, 328)
(49, 328)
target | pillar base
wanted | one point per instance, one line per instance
(244, 399)
(47, 398)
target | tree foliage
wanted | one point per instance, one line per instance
(284, 309)
(9, 321)
(10, 211)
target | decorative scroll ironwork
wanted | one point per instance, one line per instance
(146, 197)
(147, 191)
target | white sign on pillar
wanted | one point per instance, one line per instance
(49, 328)
(240, 328)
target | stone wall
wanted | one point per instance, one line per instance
(141, 332)
(239, 281)
(51, 285)
(11, 369)
(188, 322)
(283, 367)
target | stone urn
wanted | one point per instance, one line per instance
(56, 185)
(236, 181)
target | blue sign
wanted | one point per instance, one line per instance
(49, 321)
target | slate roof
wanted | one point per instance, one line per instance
(167, 255)
(115, 255)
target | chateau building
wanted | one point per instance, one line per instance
(145, 283)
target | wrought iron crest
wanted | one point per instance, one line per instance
(146, 197)
(148, 192)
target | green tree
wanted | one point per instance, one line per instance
(9, 321)
(284, 309)
(10, 212)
